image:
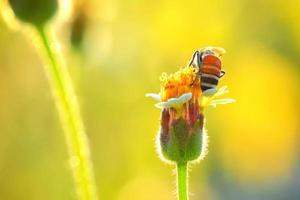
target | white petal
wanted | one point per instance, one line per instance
(185, 97)
(154, 96)
(213, 105)
(210, 92)
(175, 102)
(161, 105)
(222, 90)
(167, 104)
(221, 101)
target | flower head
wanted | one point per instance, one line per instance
(185, 80)
(181, 135)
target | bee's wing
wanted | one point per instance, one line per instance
(219, 51)
(196, 60)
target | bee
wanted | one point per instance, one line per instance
(208, 62)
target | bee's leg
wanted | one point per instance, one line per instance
(193, 82)
(222, 74)
(198, 76)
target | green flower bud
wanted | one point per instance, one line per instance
(36, 12)
(181, 136)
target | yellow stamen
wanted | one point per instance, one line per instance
(183, 81)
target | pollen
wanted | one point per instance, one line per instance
(185, 80)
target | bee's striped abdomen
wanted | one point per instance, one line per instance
(210, 72)
(208, 81)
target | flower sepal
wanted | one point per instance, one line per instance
(180, 141)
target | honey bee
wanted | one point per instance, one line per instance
(208, 62)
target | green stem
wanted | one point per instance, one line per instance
(68, 108)
(182, 184)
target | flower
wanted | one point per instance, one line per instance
(181, 137)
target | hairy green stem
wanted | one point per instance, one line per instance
(182, 182)
(68, 108)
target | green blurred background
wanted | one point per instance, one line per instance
(116, 51)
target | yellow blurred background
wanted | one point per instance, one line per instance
(116, 51)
